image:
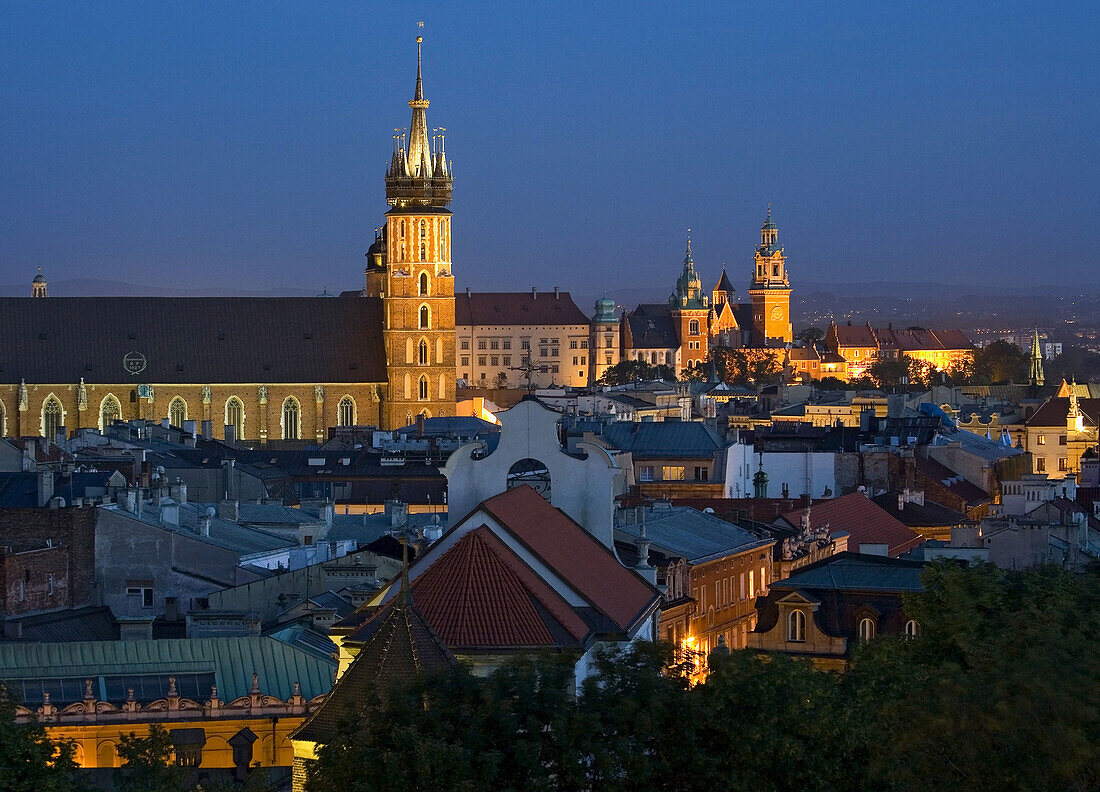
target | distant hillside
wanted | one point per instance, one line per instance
(91, 287)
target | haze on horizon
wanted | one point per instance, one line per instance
(194, 145)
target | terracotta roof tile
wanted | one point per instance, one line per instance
(864, 521)
(580, 559)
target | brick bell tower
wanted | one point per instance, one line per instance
(409, 268)
(770, 290)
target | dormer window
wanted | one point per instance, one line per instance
(796, 626)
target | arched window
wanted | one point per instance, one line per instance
(345, 412)
(442, 245)
(866, 629)
(177, 412)
(422, 393)
(796, 626)
(403, 225)
(52, 417)
(422, 353)
(531, 472)
(110, 410)
(912, 629)
(693, 327)
(423, 240)
(234, 416)
(292, 425)
(424, 284)
(425, 317)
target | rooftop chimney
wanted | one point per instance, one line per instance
(557, 293)
(534, 293)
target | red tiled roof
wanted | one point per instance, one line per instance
(479, 594)
(865, 522)
(575, 555)
(854, 336)
(517, 308)
(1054, 411)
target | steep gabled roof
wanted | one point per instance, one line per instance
(577, 557)
(724, 283)
(517, 308)
(854, 335)
(651, 327)
(865, 522)
(1054, 412)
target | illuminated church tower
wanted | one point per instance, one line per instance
(770, 291)
(409, 268)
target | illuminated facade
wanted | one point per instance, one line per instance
(770, 290)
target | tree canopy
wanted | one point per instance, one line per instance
(29, 760)
(999, 691)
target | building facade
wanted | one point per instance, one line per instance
(770, 290)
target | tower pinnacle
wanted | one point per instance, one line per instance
(1036, 375)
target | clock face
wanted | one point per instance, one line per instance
(777, 313)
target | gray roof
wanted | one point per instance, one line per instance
(192, 339)
(856, 572)
(663, 438)
(232, 660)
(365, 528)
(274, 514)
(692, 534)
(223, 533)
(651, 327)
(89, 623)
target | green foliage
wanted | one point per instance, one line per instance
(1075, 363)
(831, 384)
(738, 366)
(810, 335)
(999, 363)
(890, 372)
(29, 760)
(1000, 691)
(148, 765)
(627, 371)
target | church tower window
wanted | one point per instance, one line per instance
(292, 425)
(177, 412)
(423, 240)
(423, 284)
(234, 416)
(425, 317)
(52, 417)
(110, 410)
(345, 412)
(423, 389)
(422, 353)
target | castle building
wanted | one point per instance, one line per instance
(603, 339)
(770, 290)
(256, 369)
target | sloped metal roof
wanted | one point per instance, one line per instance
(232, 660)
(856, 572)
(663, 438)
(694, 535)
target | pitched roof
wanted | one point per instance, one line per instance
(651, 327)
(694, 535)
(724, 283)
(854, 335)
(856, 572)
(576, 556)
(1054, 412)
(952, 481)
(192, 339)
(663, 438)
(919, 515)
(864, 520)
(401, 647)
(517, 308)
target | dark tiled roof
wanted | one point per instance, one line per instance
(856, 572)
(80, 624)
(1054, 412)
(401, 648)
(192, 339)
(864, 520)
(918, 515)
(517, 308)
(956, 484)
(651, 327)
(854, 336)
(724, 283)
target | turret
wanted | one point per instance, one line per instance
(1036, 375)
(38, 285)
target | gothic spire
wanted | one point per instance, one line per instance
(1036, 375)
(419, 157)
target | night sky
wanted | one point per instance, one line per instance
(243, 145)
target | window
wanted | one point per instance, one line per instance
(543, 351)
(481, 360)
(422, 393)
(1063, 463)
(775, 270)
(752, 583)
(573, 344)
(465, 344)
(142, 592)
(1040, 465)
(494, 361)
(608, 341)
(574, 360)
(1061, 440)
(693, 327)
(109, 411)
(866, 629)
(51, 417)
(422, 352)
(345, 412)
(506, 343)
(494, 344)
(702, 473)
(645, 473)
(425, 317)
(532, 473)
(672, 473)
(507, 360)
(292, 426)
(442, 248)
(607, 359)
(177, 412)
(584, 343)
(423, 240)
(742, 585)
(482, 344)
(1042, 439)
(796, 626)
(554, 369)
(49, 584)
(912, 629)
(525, 344)
(465, 360)
(234, 416)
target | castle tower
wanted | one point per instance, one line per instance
(38, 285)
(603, 339)
(690, 311)
(770, 291)
(409, 268)
(1036, 375)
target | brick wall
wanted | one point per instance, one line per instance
(70, 532)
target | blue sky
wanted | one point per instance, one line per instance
(200, 144)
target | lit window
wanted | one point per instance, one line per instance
(693, 327)
(234, 416)
(291, 423)
(796, 626)
(345, 412)
(1042, 439)
(672, 473)
(109, 411)
(177, 412)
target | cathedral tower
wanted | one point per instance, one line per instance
(409, 268)
(690, 312)
(770, 291)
